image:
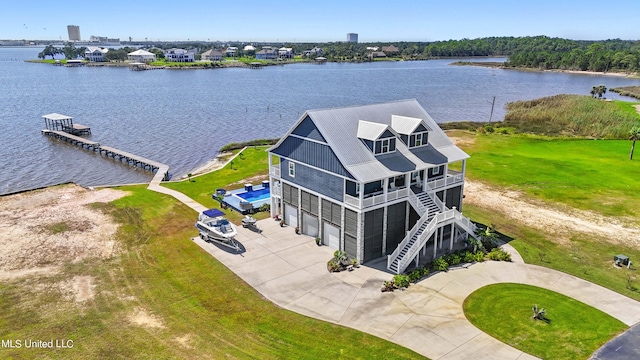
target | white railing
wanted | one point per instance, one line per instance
(407, 238)
(348, 199)
(432, 194)
(422, 239)
(275, 171)
(448, 180)
(276, 190)
(376, 199)
(417, 204)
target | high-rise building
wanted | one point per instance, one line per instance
(74, 32)
(352, 37)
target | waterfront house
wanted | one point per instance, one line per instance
(267, 54)
(377, 180)
(285, 53)
(390, 50)
(94, 53)
(141, 56)
(178, 55)
(211, 55)
(377, 54)
(316, 51)
(231, 51)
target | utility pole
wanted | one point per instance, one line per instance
(492, 104)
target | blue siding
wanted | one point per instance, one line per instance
(315, 180)
(308, 129)
(312, 153)
(386, 134)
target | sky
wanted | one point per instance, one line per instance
(320, 20)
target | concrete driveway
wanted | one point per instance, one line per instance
(290, 270)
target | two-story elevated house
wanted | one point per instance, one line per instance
(374, 181)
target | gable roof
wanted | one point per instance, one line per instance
(340, 129)
(141, 53)
(406, 125)
(369, 130)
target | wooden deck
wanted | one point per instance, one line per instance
(75, 140)
(161, 170)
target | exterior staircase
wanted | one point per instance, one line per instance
(433, 215)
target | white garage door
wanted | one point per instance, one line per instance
(309, 225)
(331, 236)
(291, 214)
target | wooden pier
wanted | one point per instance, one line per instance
(66, 133)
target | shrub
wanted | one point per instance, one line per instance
(387, 286)
(333, 266)
(424, 271)
(440, 264)
(341, 257)
(264, 208)
(479, 256)
(415, 275)
(498, 254)
(468, 257)
(401, 281)
(488, 128)
(453, 259)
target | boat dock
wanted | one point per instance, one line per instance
(66, 126)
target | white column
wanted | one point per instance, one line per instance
(384, 230)
(435, 243)
(451, 239)
(441, 236)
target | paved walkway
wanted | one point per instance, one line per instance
(291, 271)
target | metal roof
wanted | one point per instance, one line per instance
(406, 125)
(341, 128)
(56, 116)
(370, 131)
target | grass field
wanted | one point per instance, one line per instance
(574, 331)
(572, 115)
(192, 306)
(587, 174)
(592, 175)
(252, 165)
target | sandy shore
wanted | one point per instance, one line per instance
(212, 165)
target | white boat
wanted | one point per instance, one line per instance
(213, 226)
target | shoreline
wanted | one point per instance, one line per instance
(497, 65)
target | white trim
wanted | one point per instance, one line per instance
(292, 169)
(309, 139)
(313, 167)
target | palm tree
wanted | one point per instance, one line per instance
(635, 135)
(488, 236)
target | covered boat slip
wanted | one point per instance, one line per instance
(59, 122)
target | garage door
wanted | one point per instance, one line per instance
(331, 236)
(309, 225)
(291, 215)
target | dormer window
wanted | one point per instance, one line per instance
(384, 146)
(379, 138)
(418, 139)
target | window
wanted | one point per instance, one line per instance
(418, 139)
(435, 171)
(385, 146)
(292, 169)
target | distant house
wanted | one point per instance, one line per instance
(285, 53)
(372, 48)
(94, 53)
(231, 51)
(249, 49)
(376, 181)
(141, 56)
(389, 50)
(178, 55)
(267, 54)
(377, 54)
(316, 51)
(211, 55)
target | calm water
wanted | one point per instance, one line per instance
(182, 117)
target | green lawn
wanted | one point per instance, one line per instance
(252, 164)
(575, 330)
(587, 174)
(205, 310)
